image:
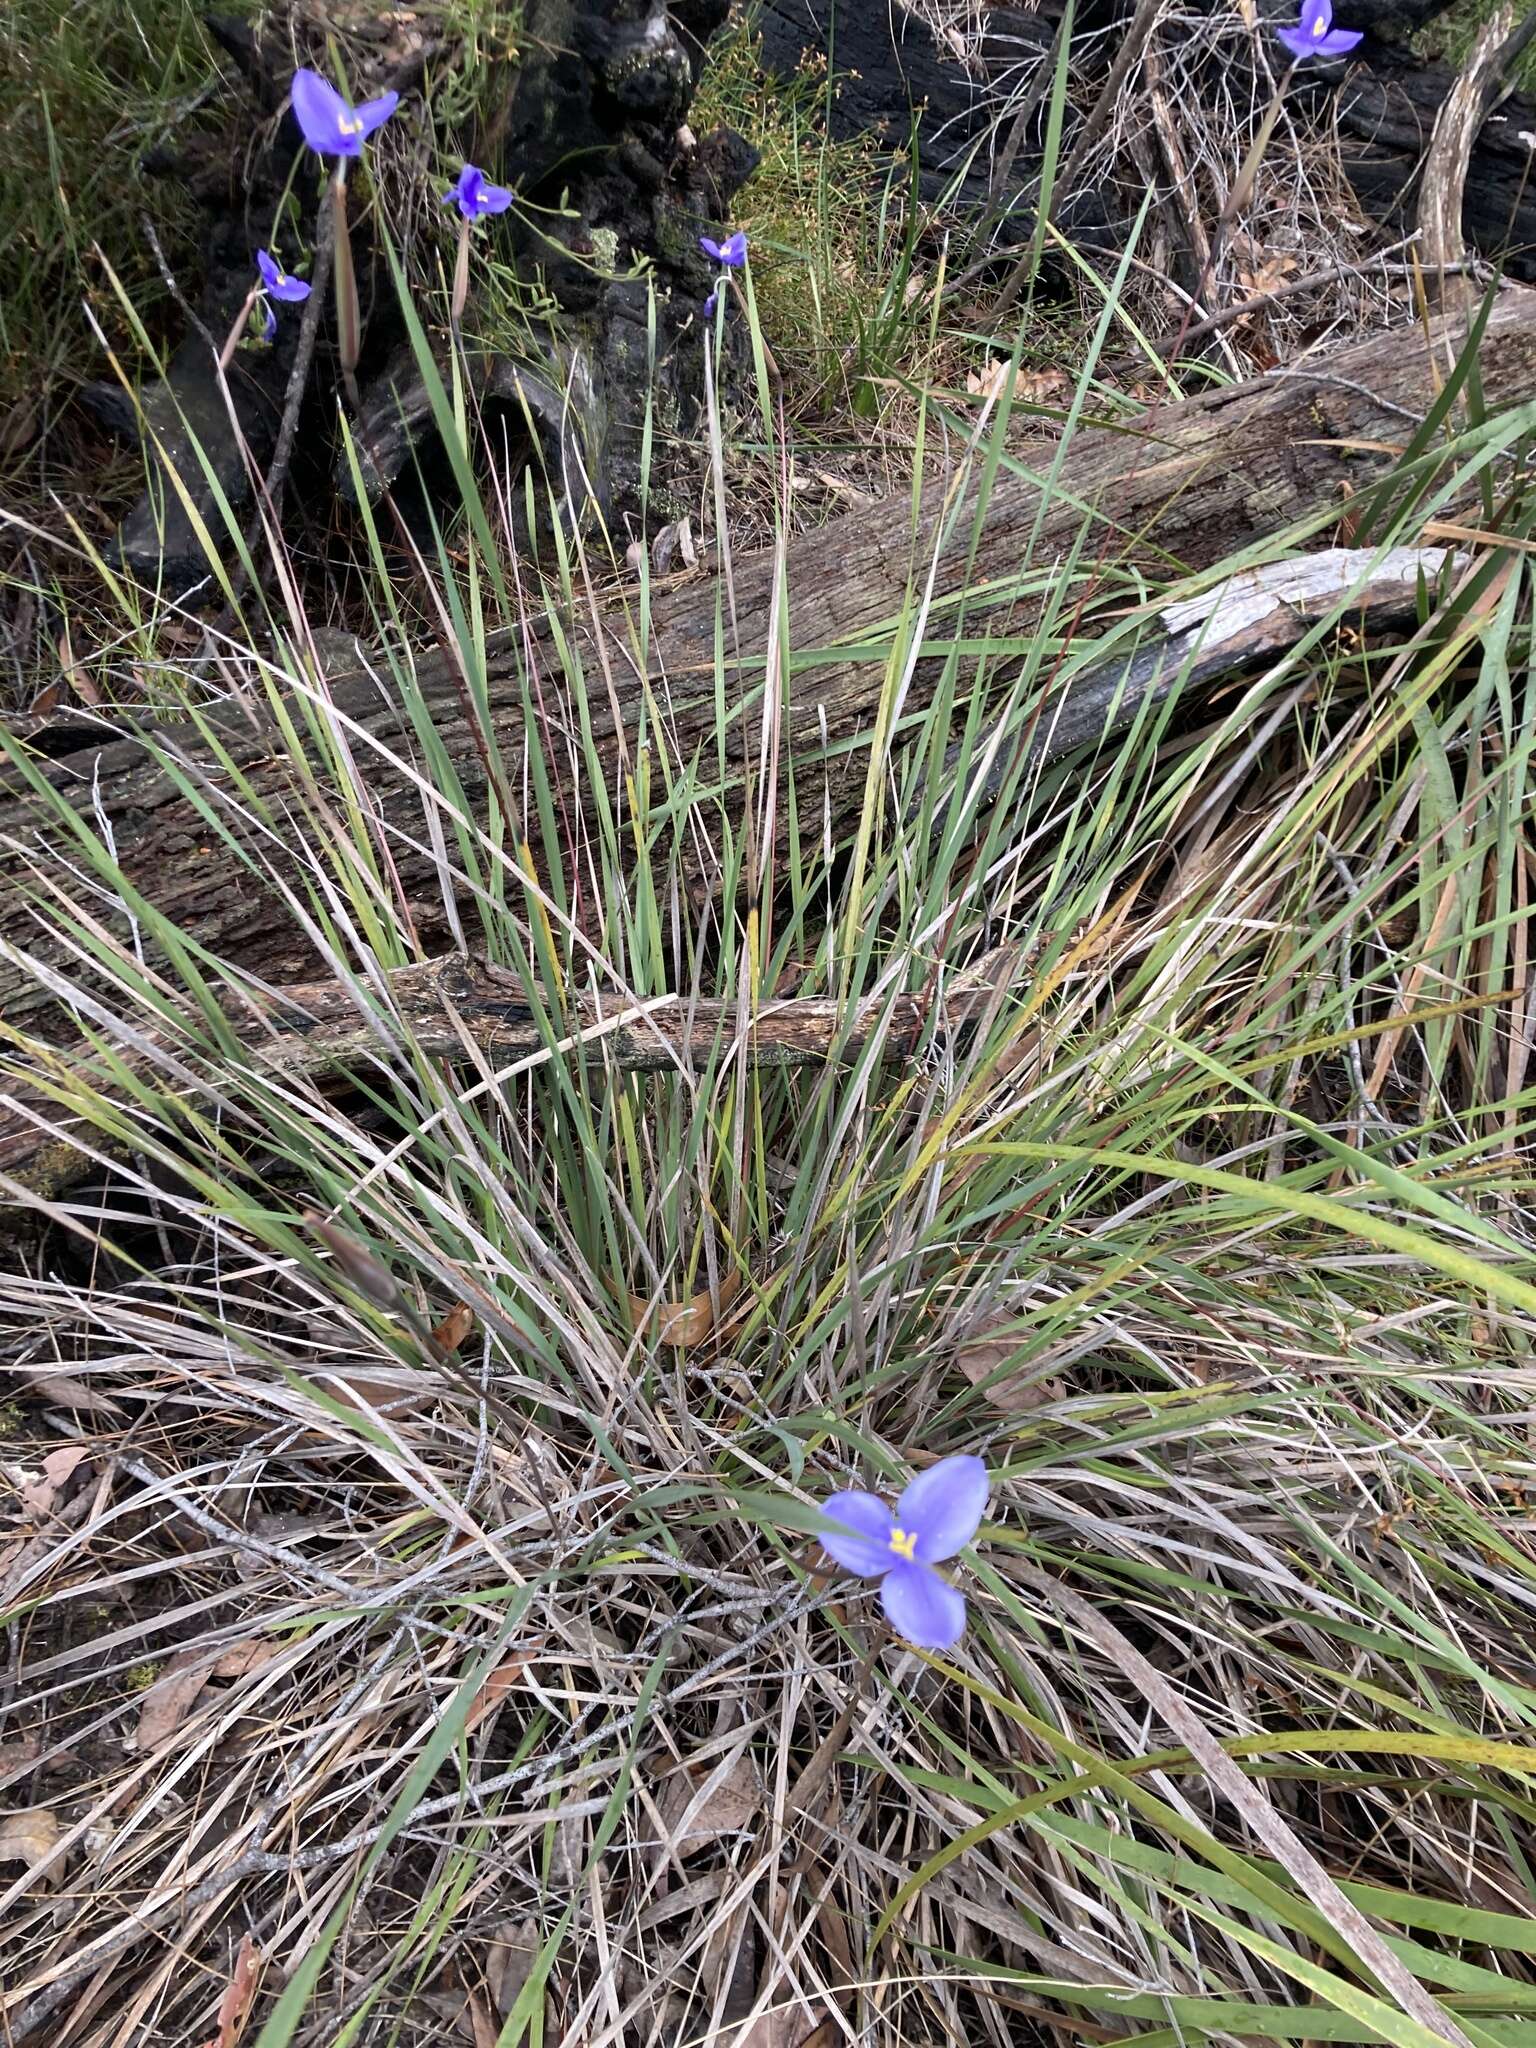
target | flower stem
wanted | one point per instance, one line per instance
(348, 316)
(461, 274)
(227, 352)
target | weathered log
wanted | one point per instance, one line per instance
(445, 1008)
(1191, 484)
(451, 1008)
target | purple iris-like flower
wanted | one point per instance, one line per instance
(732, 252)
(1315, 35)
(710, 304)
(935, 1518)
(329, 125)
(474, 194)
(291, 290)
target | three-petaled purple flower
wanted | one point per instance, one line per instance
(475, 195)
(935, 1518)
(732, 252)
(1315, 35)
(276, 281)
(328, 123)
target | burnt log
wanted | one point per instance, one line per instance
(1386, 111)
(1192, 483)
(586, 131)
(895, 78)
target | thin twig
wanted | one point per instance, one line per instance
(298, 376)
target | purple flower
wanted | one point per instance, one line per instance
(710, 304)
(268, 322)
(732, 252)
(1315, 35)
(291, 290)
(330, 126)
(474, 195)
(935, 1518)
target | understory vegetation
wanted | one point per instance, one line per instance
(417, 1626)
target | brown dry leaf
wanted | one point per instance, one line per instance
(65, 1392)
(20, 426)
(684, 1323)
(169, 1700)
(39, 1496)
(30, 1837)
(453, 1329)
(492, 1695)
(84, 687)
(699, 1806)
(840, 487)
(992, 1351)
(1267, 277)
(483, 2030)
(371, 1394)
(240, 1658)
(988, 381)
(235, 2005)
(509, 1961)
(19, 1755)
(1038, 387)
(787, 2029)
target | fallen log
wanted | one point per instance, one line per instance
(1184, 487)
(456, 1008)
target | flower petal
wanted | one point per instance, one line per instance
(863, 1542)
(293, 291)
(733, 252)
(710, 304)
(271, 275)
(494, 198)
(943, 1507)
(374, 113)
(923, 1607)
(1316, 19)
(320, 110)
(712, 249)
(1339, 42)
(268, 322)
(1297, 43)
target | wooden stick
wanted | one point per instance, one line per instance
(1443, 188)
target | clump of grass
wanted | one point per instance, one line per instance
(506, 1686)
(831, 224)
(86, 90)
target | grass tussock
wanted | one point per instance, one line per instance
(406, 1636)
(833, 232)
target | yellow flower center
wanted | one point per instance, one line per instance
(350, 125)
(904, 1544)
